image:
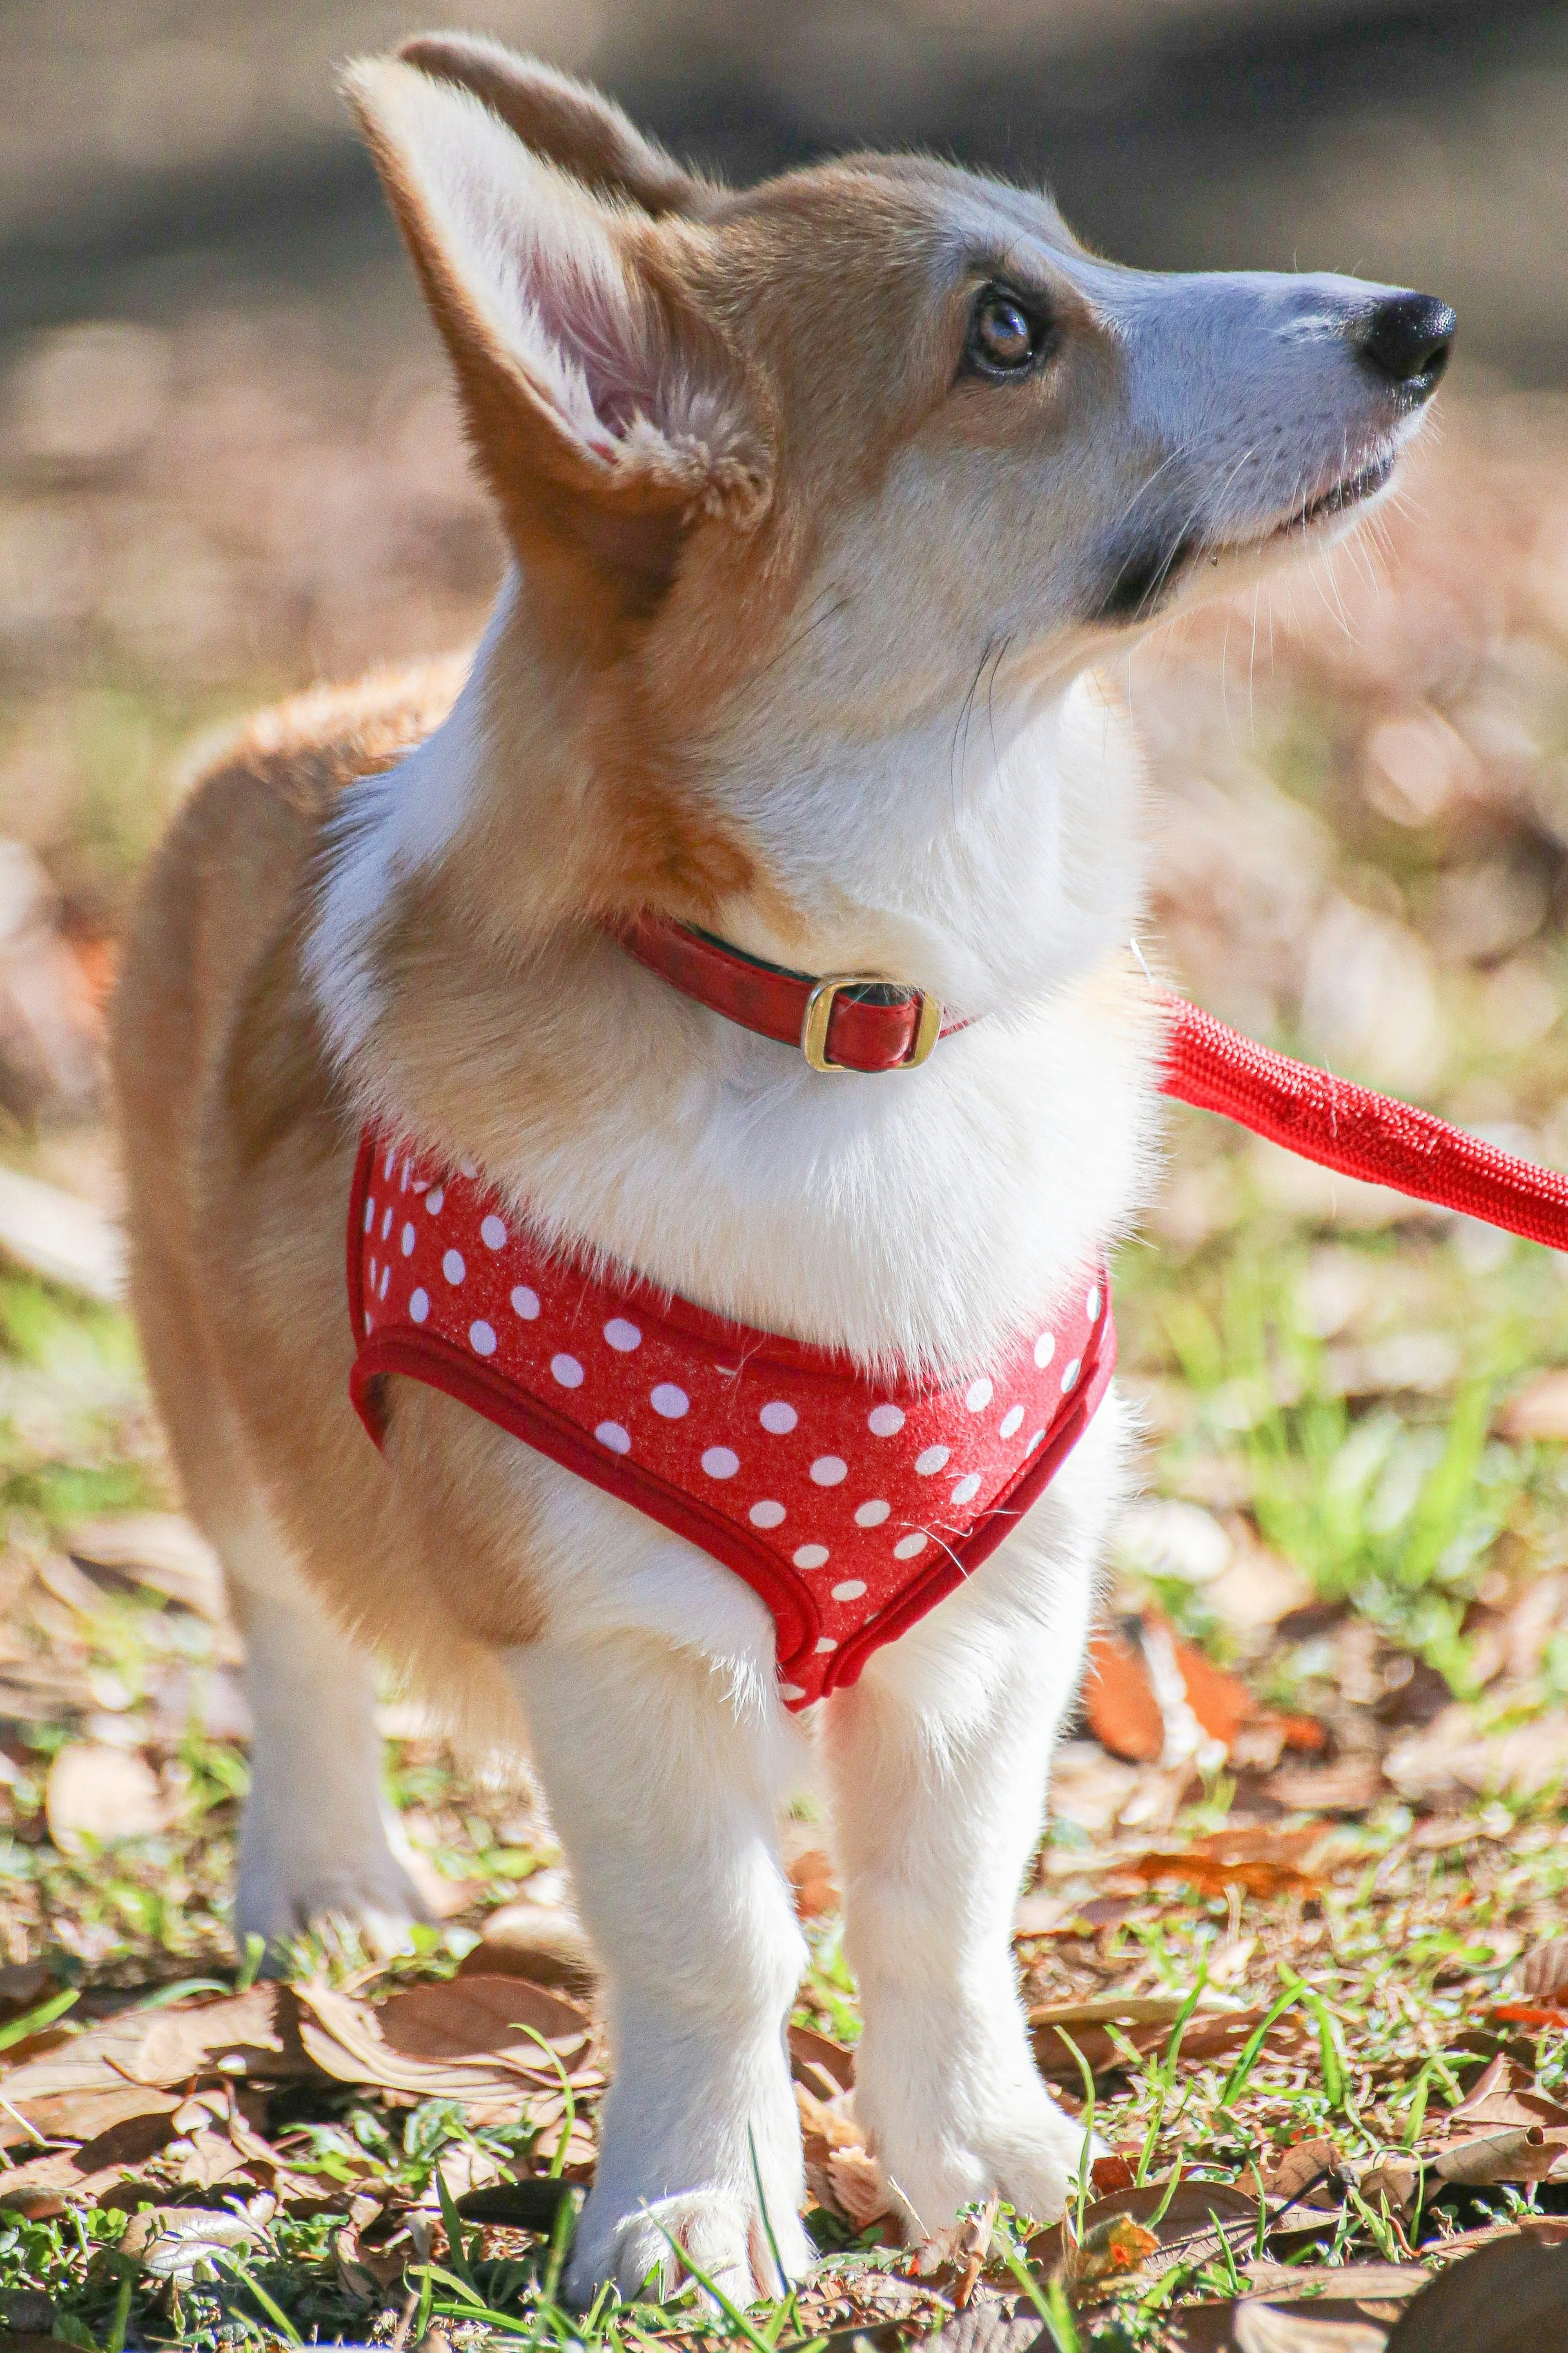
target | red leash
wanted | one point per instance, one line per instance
(855, 1022)
(1347, 1128)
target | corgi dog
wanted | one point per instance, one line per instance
(828, 503)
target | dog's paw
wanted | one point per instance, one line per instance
(644, 2253)
(374, 1900)
(1028, 2153)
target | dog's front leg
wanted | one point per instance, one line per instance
(939, 1760)
(663, 1791)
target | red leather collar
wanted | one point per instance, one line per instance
(852, 1021)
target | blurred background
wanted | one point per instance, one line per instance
(229, 466)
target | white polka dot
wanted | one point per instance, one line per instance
(434, 1198)
(934, 1458)
(405, 1241)
(369, 1213)
(765, 1515)
(850, 1590)
(403, 1177)
(885, 1420)
(1034, 1441)
(567, 1371)
(525, 1302)
(611, 1434)
(977, 1396)
(828, 1643)
(829, 1470)
(418, 1305)
(469, 1170)
(1092, 1305)
(623, 1336)
(385, 1279)
(482, 1338)
(872, 1515)
(372, 1269)
(670, 1401)
(492, 1233)
(1012, 1420)
(1045, 1349)
(720, 1463)
(778, 1419)
(1070, 1373)
(907, 1546)
(790, 1691)
(387, 1221)
(391, 1162)
(967, 1489)
(809, 1556)
(452, 1266)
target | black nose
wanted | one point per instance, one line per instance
(1406, 339)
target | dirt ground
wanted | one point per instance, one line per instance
(1296, 1932)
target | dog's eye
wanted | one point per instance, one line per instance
(1005, 339)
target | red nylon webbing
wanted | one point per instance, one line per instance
(1347, 1128)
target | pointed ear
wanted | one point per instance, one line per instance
(563, 120)
(605, 414)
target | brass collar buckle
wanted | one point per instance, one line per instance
(819, 1013)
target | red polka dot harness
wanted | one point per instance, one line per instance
(851, 1507)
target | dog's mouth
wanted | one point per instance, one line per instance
(1340, 497)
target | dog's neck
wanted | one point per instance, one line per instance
(916, 1216)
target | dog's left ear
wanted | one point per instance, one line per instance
(607, 414)
(563, 120)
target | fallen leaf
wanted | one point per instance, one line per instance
(1505, 2094)
(1211, 1874)
(1291, 2179)
(461, 2040)
(1109, 2251)
(96, 1795)
(1509, 2298)
(1188, 2221)
(1525, 2153)
(172, 2241)
(1545, 1971)
(811, 1876)
(1119, 1700)
(159, 1550)
(859, 2187)
(824, 2067)
(1350, 1786)
(1268, 2328)
(544, 1943)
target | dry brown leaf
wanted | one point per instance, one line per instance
(816, 1891)
(1305, 2163)
(462, 2041)
(127, 2066)
(1118, 1701)
(1524, 2153)
(159, 1550)
(1211, 1874)
(1349, 1786)
(824, 2067)
(1509, 2298)
(1188, 2221)
(859, 2189)
(1544, 1974)
(1108, 2251)
(1268, 2328)
(96, 1795)
(544, 1943)
(1505, 2094)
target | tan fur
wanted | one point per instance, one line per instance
(239, 1151)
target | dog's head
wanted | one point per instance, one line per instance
(822, 495)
